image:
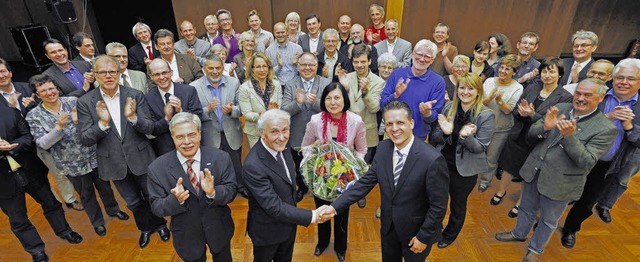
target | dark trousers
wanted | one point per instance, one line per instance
(297, 158)
(223, 256)
(16, 209)
(340, 229)
(84, 185)
(459, 189)
(236, 160)
(135, 192)
(281, 252)
(371, 152)
(593, 189)
(394, 251)
(40, 190)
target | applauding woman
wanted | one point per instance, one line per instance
(463, 133)
(337, 123)
(260, 92)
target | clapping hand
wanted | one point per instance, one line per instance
(13, 99)
(207, 182)
(425, 108)
(401, 86)
(5, 146)
(176, 103)
(468, 130)
(363, 84)
(179, 191)
(312, 96)
(445, 124)
(342, 76)
(74, 115)
(213, 103)
(226, 109)
(103, 113)
(526, 109)
(300, 95)
(26, 101)
(191, 53)
(279, 59)
(566, 127)
(274, 105)
(63, 119)
(168, 112)
(130, 109)
(552, 118)
(295, 58)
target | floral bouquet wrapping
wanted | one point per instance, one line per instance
(330, 169)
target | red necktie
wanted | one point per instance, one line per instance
(192, 175)
(149, 53)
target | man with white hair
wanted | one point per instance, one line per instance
(584, 43)
(419, 86)
(142, 53)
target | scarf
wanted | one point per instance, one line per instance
(340, 123)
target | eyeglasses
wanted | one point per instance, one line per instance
(163, 73)
(120, 56)
(622, 78)
(576, 46)
(105, 73)
(261, 67)
(4, 72)
(307, 65)
(191, 136)
(423, 56)
(222, 20)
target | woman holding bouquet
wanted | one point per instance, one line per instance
(337, 123)
(463, 134)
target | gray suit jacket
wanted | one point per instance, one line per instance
(230, 122)
(188, 68)
(199, 220)
(562, 163)
(471, 152)
(63, 84)
(139, 81)
(117, 152)
(303, 41)
(301, 114)
(402, 51)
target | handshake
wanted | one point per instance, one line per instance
(324, 213)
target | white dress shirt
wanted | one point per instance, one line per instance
(113, 104)
(170, 91)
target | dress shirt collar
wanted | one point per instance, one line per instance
(104, 95)
(580, 65)
(221, 83)
(86, 58)
(270, 150)
(633, 99)
(11, 91)
(170, 91)
(197, 157)
(327, 57)
(407, 148)
(578, 118)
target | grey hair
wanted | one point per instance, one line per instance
(273, 115)
(602, 87)
(291, 16)
(582, 34)
(330, 32)
(163, 33)
(210, 17)
(213, 58)
(431, 46)
(217, 47)
(112, 45)
(135, 27)
(377, 6)
(627, 63)
(94, 61)
(387, 58)
(184, 117)
(244, 37)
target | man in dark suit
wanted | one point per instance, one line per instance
(414, 189)
(621, 106)
(185, 68)
(9, 90)
(73, 78)
(270, 179)
(584, 43)
(165, 100)
(211, 24)
(21, 171)
(197, 201)
(142, 53)
(312, 41)
(330, 57)
(116, 119)
(556, 170)
(84, 43)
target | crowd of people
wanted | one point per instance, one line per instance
(162, 121)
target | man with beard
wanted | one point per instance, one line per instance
(191, 45)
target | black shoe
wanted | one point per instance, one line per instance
(164, 234)
(568, 239)
(100, 230)
(144, 239)
(40, 257)
(496, 199)
(340, 256)
(604, 214)
(444, 243)
(513, 213)
(362, 203)
(319, 250)
(121, 215)
(508, 237)
(72, 237)
(299, 195)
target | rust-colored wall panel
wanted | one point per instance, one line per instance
(328, 10)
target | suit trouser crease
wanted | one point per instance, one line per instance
(136, 194)
(340, 229)
(581, 209)
(16, 210)
(459, 189)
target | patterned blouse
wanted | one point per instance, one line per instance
(70, 156)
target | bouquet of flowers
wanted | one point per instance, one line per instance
(329, 169)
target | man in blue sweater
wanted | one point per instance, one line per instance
(419, 87)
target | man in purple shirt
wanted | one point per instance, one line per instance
(229, 37)
(68, 76)
(419, 87)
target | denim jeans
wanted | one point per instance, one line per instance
(550, 213)
(615, 186)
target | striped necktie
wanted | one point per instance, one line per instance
(192, 176)
(397, 169)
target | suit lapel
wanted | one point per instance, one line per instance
(258, 97)
(271, 162)
(176, 170)
(412, 157)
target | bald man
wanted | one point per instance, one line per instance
(190, 44)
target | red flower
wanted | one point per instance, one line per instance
(329, 156)
(321, 170)
(351, 175)
(340, 157)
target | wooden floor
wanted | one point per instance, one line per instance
(618, 241)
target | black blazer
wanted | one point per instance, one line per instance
(13, 129)
(163, 142)
(568, 64)
(343, 60)
(137, 53)
(273, 216)
(25, 91)
(199, 220)
(521, 124)
(63, 84)
(417, 205)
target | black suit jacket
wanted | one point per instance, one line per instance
(13, 129)
(568, 64)
(25, 91)
(521, 124)
(163, 142)
(273, 215)
(343, 60)
(117, 153)
(63, 84)
(137, 54)
(199, 220)
(417, 205)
